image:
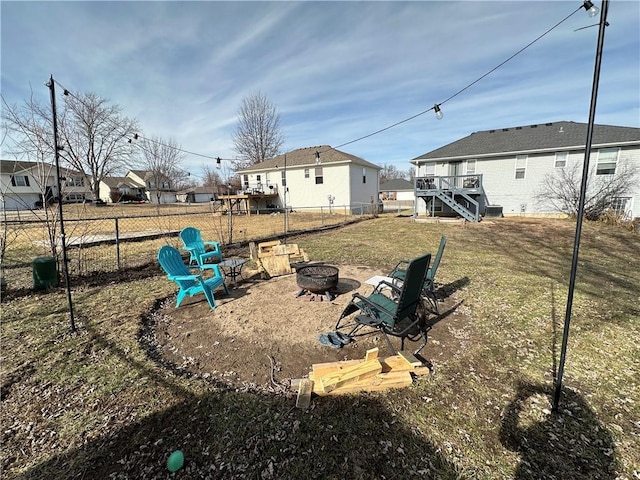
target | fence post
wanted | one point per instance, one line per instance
(321, 215)
(117, 244)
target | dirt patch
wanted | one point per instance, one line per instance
(262, 332)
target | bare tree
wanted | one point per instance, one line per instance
(162, 160)
(96, 138)
(389, 172)
(258, 135)
(411, 174)
(211, 179)
(560, 190)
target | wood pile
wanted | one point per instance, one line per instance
(351, 376)
(274, 258)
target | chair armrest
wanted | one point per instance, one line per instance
(185, 277)
(217, 244)
(371, 305)
(189, 247)
(385, 284)
(396, 268)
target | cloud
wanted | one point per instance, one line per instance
(336, 70)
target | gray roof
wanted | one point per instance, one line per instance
(115, 182)
(12, 166)
(533, 138)
(307, 157)
(395, 185)
(15, 166)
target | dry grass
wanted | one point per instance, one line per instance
(94, 404)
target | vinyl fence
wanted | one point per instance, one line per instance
(99, 241)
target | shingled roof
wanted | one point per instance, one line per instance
(395, 184)
(533, 138)
(307, 157)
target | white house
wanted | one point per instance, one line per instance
(158, 187)
(397, 189)
(504, 170)
(313, 177)
(116, 189)
(197, 195)
(25, 185)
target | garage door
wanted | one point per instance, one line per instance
(23, 202)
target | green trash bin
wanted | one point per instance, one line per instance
(45, 273)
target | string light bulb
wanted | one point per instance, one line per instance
(439, 114)
(218, 162)
(591, 9)
(317, 156)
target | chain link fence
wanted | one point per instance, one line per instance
(102, 240)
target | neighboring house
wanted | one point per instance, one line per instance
(25, 185)
(116, 189)
(158, 187)
(197, 195)
(397, 189)
(503, 170)
(311, 177)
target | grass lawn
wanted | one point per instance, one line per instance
(94, 404)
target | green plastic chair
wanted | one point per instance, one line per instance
(391, 309)
(399, 272)
(189, 284)
(192, 242)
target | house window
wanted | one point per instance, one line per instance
(284, 178)
(607, 160)
(165, 185)
(245, 181)
(306, 173)
(75, 181)
(521, 166)
(621, 205)
(364, 175)
(429, 169)
(561, 159)
(471, 167)
(20, 181)
(319, 178)
(151, 184)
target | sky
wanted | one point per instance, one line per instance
(336, 71)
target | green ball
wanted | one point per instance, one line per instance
(175, 461)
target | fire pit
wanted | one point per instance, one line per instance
(317, 279)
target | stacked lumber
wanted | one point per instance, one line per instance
(275, 259)
(366, 375)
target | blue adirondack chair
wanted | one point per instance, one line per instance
(192, 241)
(171, 262)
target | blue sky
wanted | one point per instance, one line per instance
(335, 70)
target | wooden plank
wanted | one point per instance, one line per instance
(410, 358)
(288, 249)
(349, 375)
(320, 369)
(304, 393)
(265, 249)
(253, 251)
(371, 354)
(276, 265)
(380, 382)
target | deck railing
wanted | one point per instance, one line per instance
(466, 183)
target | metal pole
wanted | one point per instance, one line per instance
(284, 199)
(65, 262)
(583, 188)
(117, 243)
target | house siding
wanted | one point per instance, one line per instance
(518, 196)
(495, 152)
